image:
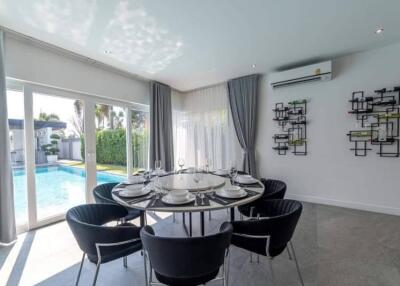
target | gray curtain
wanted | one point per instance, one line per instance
(161, 138)
(7, 217)
(242, 93)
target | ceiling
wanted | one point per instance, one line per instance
(189, 43)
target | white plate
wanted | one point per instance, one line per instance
(159, 173)
(245, 179)
(132, 194)
(221, 172)
(170, 201)
(134, 188)
(226, 194)
(136, 180)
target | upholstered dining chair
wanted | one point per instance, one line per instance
(273, 190)
(187, 261)
(102, 243)
(103, 195)
(270, 231)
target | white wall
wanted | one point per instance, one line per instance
(331, 173)
(29, 62)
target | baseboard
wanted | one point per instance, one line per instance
(345, 204)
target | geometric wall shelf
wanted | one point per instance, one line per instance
(292, 121)
(378, 116)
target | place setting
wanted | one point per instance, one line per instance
(174, 198)
(230, 194)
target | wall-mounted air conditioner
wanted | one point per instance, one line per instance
(312, 73)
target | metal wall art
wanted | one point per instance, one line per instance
(378, 118)
(292, 121)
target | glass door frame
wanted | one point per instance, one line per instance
(89, 101)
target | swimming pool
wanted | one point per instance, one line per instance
(58, 188)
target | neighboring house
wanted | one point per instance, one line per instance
(42, 129)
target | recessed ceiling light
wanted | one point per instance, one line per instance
(253, 66)
(107, 52)
(379, 30)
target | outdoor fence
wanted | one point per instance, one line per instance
(70, 149)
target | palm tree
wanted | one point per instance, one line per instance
(77, 120)
(43, 116)
(102, 112)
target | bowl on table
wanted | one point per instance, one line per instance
(178, 195)
(134, 190)
(245, 179)
(231, 192)
(221, 172)
(138, 179)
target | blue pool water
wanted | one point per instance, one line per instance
(57, 189)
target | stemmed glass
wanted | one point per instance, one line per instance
(233, 173)
(181, 163)
(157, 166)
(207, 165)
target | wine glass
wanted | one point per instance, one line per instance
(198, 175)
(157, 165)
(181, 163)
(206, 164)
(233, 172)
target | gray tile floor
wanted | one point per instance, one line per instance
(335, 246)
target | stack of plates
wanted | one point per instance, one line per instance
(221, 172)
(135, 180)
(132, 191)
(159, 172)
(178, 197)
(245, 179)
(231, 192)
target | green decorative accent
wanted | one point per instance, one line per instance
(388, 116)
(297, 142)
(361, 133)
(300, 101)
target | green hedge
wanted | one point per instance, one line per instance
(111, 147)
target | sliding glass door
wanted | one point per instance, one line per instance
(60, 174)
(65, 143)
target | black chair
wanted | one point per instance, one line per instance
(187, 261)
(271, 231)
(273, 190)
(102, 243)
(103, 195)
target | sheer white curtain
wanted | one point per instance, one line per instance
(203, 128)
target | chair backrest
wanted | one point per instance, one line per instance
(186, 257)
(86, 223)
(102, 193)
(274, 189)
(278, 219)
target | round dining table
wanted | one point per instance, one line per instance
(206, 188)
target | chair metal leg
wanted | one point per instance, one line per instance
(288, 252)
(297, 264)
(97, 273)
(145, 268)
(80, 269)
(209, 215)
(271, 269)
(125, 261)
